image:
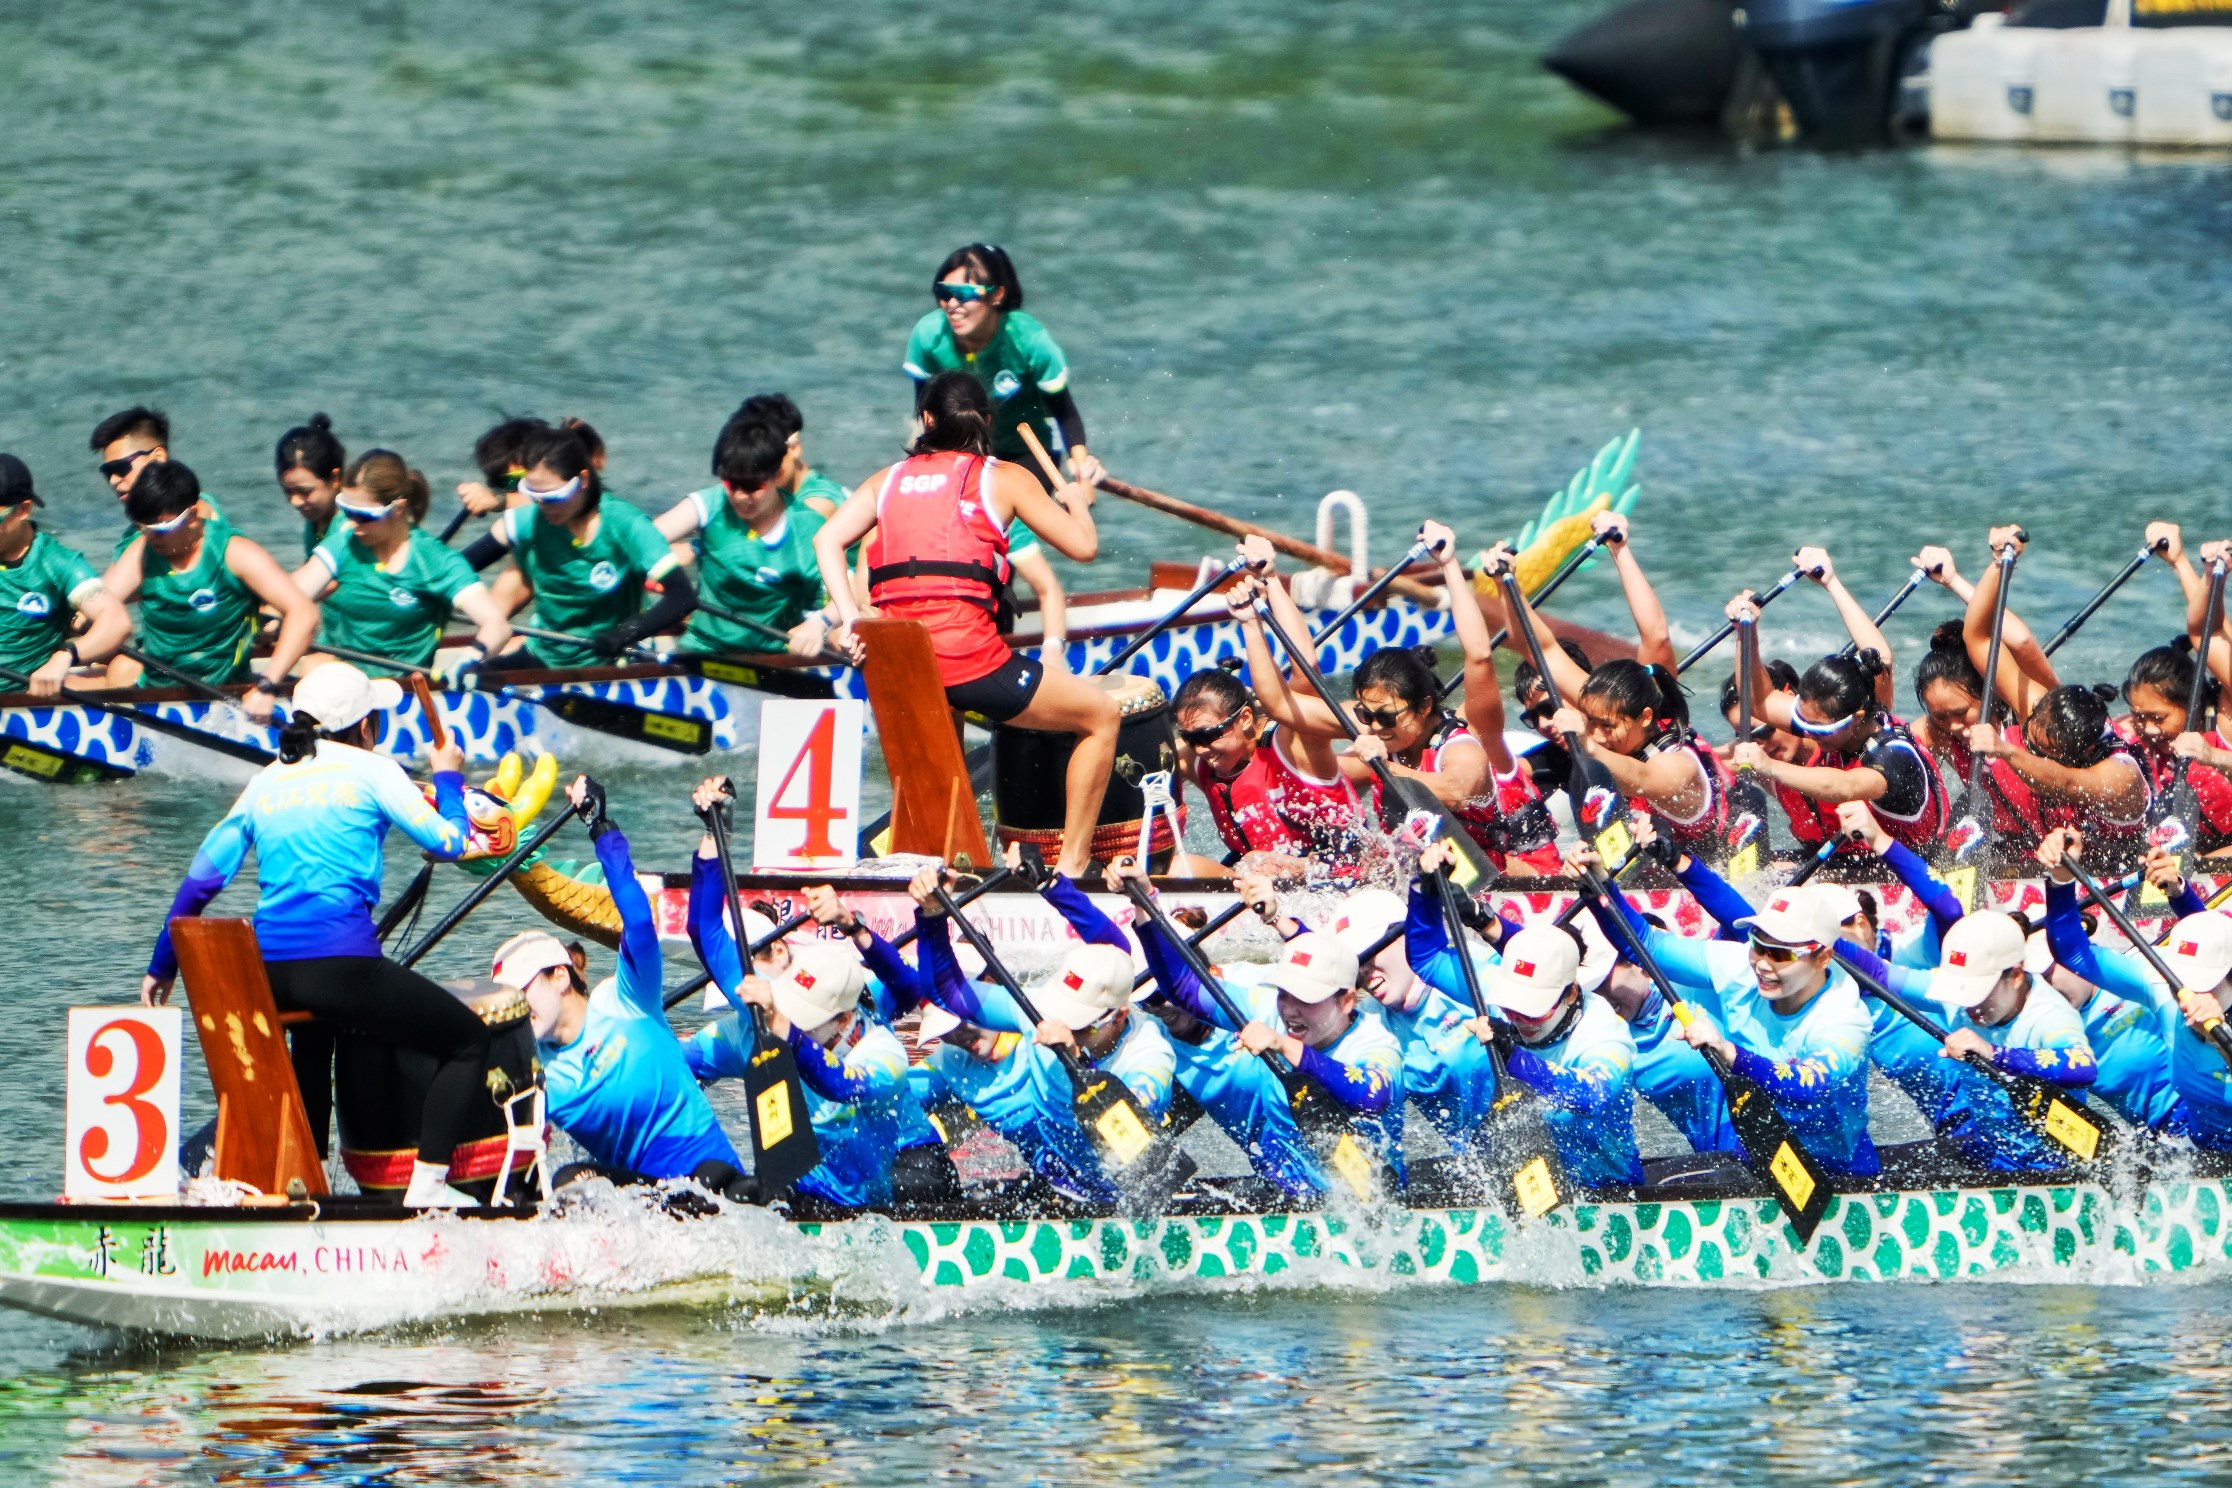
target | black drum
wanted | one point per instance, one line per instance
(379, 1091)
(1028, 789)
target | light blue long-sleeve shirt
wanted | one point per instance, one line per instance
(2154, 1070)
(317, 826)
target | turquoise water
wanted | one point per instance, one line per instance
(1288, 250)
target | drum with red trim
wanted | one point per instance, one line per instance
(1028, 789)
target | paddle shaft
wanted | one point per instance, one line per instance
(231, 748)
(191, 683)
(2069, 626)
(775, 633)
(1374, 590)
(1216, 521)
(1587, 777)
(537, 633)
(1728, 626)
(488, 885)
(1747, 667)
(1914, 582)
(2212, 615)
(464, 514)
(1222, 918)
(772, 1065)
(1978, 761)
(1213, 987)
(1549, 587)
(2214, 1030)
(1177, 613)
(1072, 1058)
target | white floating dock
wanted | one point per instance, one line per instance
(2114, 84)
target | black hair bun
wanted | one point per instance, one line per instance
(321, 423)
(1949, 637)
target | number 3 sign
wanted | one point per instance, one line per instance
(120, 1116)
(808, 811)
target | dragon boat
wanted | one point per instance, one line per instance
(339, 1265)
(697, 705)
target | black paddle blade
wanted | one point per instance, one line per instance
(2063, 1117)
(1773, 1155)
(783, 1145)
(1140, 1153)
(1412, 797)
(1533, 1179)
(604, 716)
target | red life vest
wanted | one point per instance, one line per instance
(1271, 806)
(2210, 787)
(1706, 833)
(1511, 821)
(1815, 822)
(934, 537)
(2022, 816)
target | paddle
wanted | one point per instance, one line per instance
(1599, 810)
(463, 514)
(775, 633)
(1317, 1114)
(1410, 794)
(1534, 1180)
(2132, 566)
(487, 886)
(537, 633)
(1914, 582)
(1771, 1153)
(1566, 570)
(2059, 1114)
(254, 754)
(784, 1149)
(1373, 590)
(1145, 1161)
(2213, 1030)
(1744, 862)
(1727, 626)
(1177, 612)
(1969, 831)
(187, 680)
(2174, 816)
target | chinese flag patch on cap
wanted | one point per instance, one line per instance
(1074, 982)
(1957, 958)
(803, 978)
(2189, 948)
(1779, 903)
(1300, 958)
(1522, 968)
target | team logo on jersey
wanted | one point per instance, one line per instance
(918, 485)
(768, 577)
(403, 599)
(33, 603)
(202, 601)
(1006, 384)
(603, 578)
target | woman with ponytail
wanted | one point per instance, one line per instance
(387, 587)
(315, 819)
(939, 554)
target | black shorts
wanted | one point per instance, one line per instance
(999, 696)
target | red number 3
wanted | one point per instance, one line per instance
(150, 1127)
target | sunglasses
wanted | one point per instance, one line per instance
(1379, 717)
(120, 467)
(1802, 724)
(1210, 733)
(1776, 951)
(967, 294)
(164, 529)
(363, 513)
(566, 492)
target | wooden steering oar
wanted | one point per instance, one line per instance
(784, 1148)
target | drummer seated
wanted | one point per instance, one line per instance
(614, 1077)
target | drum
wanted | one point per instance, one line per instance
(379, 1091)
(1028, 766)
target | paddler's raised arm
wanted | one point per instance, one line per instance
(1565, 672)
(1654, 639)
(1299, 710)
(938, 974)
(1484, 706)
(642, 964)
(2025, 672)
(1815, 564)
(892, 977)
(1426, 931)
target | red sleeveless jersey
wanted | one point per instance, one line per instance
(1510, 821)
(2022, 815)
(1892, 749)
(1706, 834)
(938, 555)
(1271, 806)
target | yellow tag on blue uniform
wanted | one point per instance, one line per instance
(1962, 883)
(773, 1110)
(1536, 1187)
(1791, 1177)
(2073, 1131)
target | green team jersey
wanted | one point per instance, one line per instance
(1021, 368)
(131, 529)
(201, 620)
(395, 610)
(814, 483)
(772, 580)
(39, 592)
(313, 535)
(584, 588)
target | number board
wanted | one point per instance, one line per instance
(808, 807)
(120, 1112)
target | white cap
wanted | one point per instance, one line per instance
(1315, 968)
(1094, 981)
(1983, 946)
(1598, 955)
(2038, 954)
(1366, 915)
(822, 982)
(2199, 950)
(339, 696)
(1841, 900)
(1809, 914)
(935, 1023)
(526, 956)
(1538, 963)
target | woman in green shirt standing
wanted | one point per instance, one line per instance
(198, 584)
(386, 586)
(586, 561)
(980, 327)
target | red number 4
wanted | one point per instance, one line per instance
(820, 757)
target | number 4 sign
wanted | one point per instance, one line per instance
(808, 811)
(120, 1111)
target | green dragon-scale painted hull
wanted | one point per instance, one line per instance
(214, 1273)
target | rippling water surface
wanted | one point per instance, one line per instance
(1288, 249)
